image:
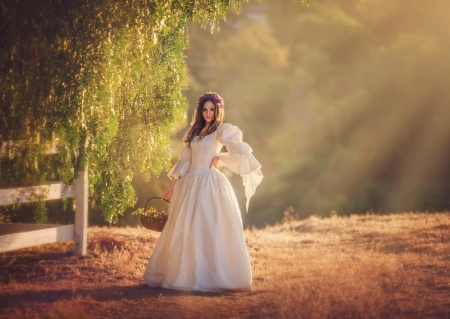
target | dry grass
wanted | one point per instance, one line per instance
(369, 266)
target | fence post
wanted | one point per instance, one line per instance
(81, 213)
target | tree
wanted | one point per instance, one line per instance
(101, 79)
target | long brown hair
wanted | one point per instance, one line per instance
(198, 122)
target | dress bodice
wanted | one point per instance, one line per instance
(195, 158)
(203, 151)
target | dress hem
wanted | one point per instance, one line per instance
(204, 290)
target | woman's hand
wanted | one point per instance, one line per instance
(168, 191)
(215, 162)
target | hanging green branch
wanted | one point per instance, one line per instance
(103, 78)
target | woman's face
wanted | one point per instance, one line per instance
(208, 111)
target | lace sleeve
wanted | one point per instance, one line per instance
(239, 158)
(184, 160)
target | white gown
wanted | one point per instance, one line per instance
(202, 246)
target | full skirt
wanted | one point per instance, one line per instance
(202, 246)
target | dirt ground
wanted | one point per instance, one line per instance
(361, 266)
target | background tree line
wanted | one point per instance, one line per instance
(345, 103)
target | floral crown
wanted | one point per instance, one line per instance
(209, 96)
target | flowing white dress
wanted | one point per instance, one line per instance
(202, 246)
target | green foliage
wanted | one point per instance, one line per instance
(138, 211)
(101, 79)
(37, 201)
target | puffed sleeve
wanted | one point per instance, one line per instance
(240, 159)
(184, 160)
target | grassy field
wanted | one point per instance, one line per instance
(365, 266)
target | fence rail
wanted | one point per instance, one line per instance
(27, 235)
(17, 236)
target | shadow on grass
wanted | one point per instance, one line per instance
(105, 294)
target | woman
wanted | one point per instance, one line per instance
(202, 246)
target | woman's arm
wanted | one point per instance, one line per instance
(215, 162)
(184, 160)
(168, 191)
(239, 158)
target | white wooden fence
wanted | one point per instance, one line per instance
(16, 236)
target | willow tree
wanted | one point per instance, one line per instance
(103, 80)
